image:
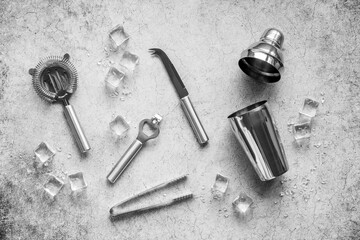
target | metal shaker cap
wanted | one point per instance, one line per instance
(263, 60)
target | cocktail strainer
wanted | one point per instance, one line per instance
(54, 80)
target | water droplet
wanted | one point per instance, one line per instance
(69, 155)
(59, 149)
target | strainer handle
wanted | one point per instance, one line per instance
(76, 129)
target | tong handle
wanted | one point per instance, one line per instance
(124, 161)
(76, 129)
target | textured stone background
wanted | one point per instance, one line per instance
(204, 40)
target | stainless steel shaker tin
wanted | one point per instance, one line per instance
(257, 134)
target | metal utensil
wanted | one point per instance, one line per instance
(257, 134)
(54, 80)
(135, 147)
(119, 211)
(263, 60)
(185, 101)
(153, 206)
(150, 190)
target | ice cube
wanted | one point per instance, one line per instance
(44, 152)
(119, 126)
(129, 61)
(242, 205)
(302, 131)
(113, 81)
(309, 108)
(119, 37)
(53, 185)
(220, 186)
(77, 182)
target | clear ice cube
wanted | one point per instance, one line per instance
(53, 185)
(119, 126)
(119, 37)
(220, 186)
(44, 152)
(129, 61)
(302, 131)
(242, 204)
(113, 80)
(304, 118)
(77, 182)
(309, 108)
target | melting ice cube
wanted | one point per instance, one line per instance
(302, 131)
(119, 37)
(220, 186)
(53, 185)
(77, 182)
(119, 126)
(129, 61)
(113, 81)
(309, 108)
(44, 152)
(242, 204)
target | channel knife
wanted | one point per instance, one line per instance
(185, 101)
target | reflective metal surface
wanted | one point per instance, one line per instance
(263, 60)
(55, 80)
(135, 147)
(194, 120)
(120, 210)
(257, 134)
(76, 129)
(124, 161)
(183, 94)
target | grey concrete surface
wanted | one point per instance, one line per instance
(204, 40)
